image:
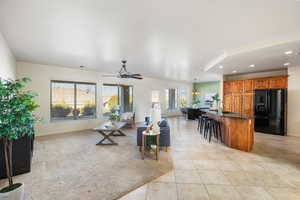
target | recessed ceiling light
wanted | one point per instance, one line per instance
(286, 64)
(234, 71)
(221, 66)
(288, 52)
(252, 65)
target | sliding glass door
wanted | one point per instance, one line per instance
(117, 95)
(110, 98)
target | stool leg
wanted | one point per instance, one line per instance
(215, 130)
(205, 129)
(210, 132)
(220, 132)
(201, 127)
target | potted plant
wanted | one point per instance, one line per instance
(114, 117)
(16, 120)
(215, 103)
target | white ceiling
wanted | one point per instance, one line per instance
(260, 59)
(170, 39)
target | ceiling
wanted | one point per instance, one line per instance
(260, 59)
(170, 39)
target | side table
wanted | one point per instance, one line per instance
(145, 145)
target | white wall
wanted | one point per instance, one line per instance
(293, 101)
(7, 61)
(42, 75)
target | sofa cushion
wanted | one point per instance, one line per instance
(163, 123)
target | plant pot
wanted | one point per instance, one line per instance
(113, 122)
(16, 194)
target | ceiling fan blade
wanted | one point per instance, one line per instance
(137, 77)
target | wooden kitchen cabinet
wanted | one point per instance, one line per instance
(278, 82)
(247, 105)
(227, 102)
(262, 83)
(238, 95)
(248, 86)
(227, 87)
(236, 103)
(237, 86)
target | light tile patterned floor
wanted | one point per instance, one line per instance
(204, 171)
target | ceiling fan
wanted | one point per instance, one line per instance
(123, 73)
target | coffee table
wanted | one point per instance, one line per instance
(107, 130)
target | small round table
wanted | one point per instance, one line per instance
(144, 143)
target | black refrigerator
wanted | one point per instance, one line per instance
(270, 108)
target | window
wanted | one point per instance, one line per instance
(110, 97)
(171, 99)
(155, 96)
(72, 100)
(182, 97)
(117, 95)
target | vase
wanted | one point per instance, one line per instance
(16, 194)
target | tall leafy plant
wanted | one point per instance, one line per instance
(16, 118)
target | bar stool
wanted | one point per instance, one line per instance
(218, 131)
(208, 128)
(201, 123)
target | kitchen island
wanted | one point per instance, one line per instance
(237, 129)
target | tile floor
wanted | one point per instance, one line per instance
(204, 171)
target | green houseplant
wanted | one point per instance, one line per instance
(114, 115)
(16, 120)
(215, 103)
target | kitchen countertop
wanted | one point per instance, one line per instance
(227, 114)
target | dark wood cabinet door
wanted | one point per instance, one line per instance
(247, 108)
(248, 86)
(227, 102)
(278, 82)
(262, 83)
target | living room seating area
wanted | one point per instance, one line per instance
(165, 136)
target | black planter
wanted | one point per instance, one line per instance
(21, 156)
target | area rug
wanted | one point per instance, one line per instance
(71, 166)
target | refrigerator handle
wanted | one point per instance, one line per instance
(268, 102)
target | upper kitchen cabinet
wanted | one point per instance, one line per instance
(228, 87)
(248, 86)
(237, 86)
(278, 82)
(233, 87)
(261, 83)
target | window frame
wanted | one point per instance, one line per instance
(75, 100)
(176, 98)
(119, 93)
(180, 94)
